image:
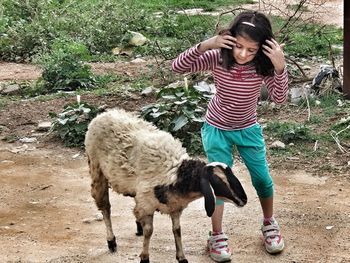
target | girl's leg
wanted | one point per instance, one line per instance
(217, 149)
(252, 150)
(267, 206)
(216, 218)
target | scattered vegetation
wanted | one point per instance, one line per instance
(290, 132)
(180, 111)
(71, 124)
(63, 36)
(64, 70)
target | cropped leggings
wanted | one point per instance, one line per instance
(218, 145)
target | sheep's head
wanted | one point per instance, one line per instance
(218, 179)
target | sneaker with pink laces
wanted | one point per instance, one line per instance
(273, 239)
(218, 247)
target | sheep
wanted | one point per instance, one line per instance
(136, 159)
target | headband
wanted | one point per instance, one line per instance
(249, 24)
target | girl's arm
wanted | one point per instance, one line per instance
(277, 85)
(203, 56)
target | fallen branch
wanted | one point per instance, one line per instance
(307, 103)
(335, 134)
(298, 66)
(316, 146)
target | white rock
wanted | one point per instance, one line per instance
(44, 126)
(278, 145)
(137, 39)
(28, 140)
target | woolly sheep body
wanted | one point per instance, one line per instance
(136, 159)
(132, 151)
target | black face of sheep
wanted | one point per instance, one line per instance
(224, 183)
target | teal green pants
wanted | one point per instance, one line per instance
(218, 145)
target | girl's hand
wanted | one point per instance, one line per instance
(274, 52)
(219, 41)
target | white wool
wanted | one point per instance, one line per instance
(132, 153)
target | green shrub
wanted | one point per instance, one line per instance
(71, 124)
(64, 69)
(289, 132)
(180, 111)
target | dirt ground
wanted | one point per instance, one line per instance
(48, 215)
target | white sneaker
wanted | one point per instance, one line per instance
(273, 239)
(218, 247)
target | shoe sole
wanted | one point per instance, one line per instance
(221, 259)
(277, 250)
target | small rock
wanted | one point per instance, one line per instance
(138, 60)
(76, 155)
(11, 89)
(87, 220)
(278, 145)
(147, 91)
(44, 126)
(137, 39)
(28, 140)
(98, 217)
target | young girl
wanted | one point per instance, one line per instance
(240, 59)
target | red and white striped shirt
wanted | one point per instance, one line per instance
(234, 104)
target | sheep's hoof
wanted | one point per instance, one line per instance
(112, 245)
(139, 230)
(144, 260)
(181, 260)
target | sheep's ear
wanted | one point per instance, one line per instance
(233, 190)
(209, 198)
(236, 186)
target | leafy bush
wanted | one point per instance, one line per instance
(71, 124)
(28, 28)
(290, 132)
(63, 68)
(180, 111)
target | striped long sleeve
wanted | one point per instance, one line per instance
(234, 104)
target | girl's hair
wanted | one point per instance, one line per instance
(257, 27)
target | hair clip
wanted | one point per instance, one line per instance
(248, 23)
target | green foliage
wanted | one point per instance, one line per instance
(63, 68)
(180, 111)
(207, 5)
(342, 127)
(308, 39)
(28, 28)
(71, 124)
(289, 132)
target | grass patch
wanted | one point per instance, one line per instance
(207, 5)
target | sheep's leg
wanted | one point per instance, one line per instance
(175, 218)
(147, 225)
(139, 230)
(99, 191)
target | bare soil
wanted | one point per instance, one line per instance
(48, 215)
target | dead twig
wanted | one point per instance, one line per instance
(335, 134)
(227, 12)
(298, 66)
(307, 103)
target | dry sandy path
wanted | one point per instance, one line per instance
(45, 199)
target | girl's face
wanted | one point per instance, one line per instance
(245, 50)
